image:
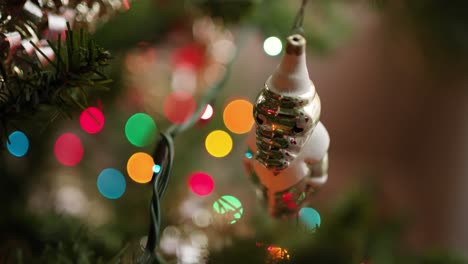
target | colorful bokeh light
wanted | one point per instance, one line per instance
(111, 183)
(156, 168)
(223, 50)
(140, 167)
(249, 154)
(277, 253)
(126, 4)
(310, 218)
(140, 129)
(184, 79)
(202, 218)
(201, 183)
(18, 144)
(179, 106)
(190, 55)
(230, 207)
(207, 113)
(218, 143)
(92, 120)
(272, 46)
(238, 116)
(68, 149)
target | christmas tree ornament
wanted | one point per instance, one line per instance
(9, 42)
(23, 21)
(287, 149)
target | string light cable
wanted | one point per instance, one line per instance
(164, 155)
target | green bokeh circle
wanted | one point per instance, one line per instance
(140, 129)
(228, 204)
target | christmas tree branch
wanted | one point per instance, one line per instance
(63, 86)
(38, 74)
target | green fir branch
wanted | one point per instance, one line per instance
(64, 86)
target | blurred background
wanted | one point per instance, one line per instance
(392, 79)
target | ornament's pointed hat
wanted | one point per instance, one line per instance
(291, 77)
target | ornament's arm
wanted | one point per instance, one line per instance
(318, 173)
(317, 157)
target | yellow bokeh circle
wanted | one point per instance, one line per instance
(238, 116)
(218, 143)
(140, 167)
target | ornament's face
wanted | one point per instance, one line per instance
(283, 125)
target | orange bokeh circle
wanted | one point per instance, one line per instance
(238, 116)
(140, 167)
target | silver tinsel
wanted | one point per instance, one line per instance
(26, 21)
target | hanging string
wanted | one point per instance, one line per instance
(298, 26)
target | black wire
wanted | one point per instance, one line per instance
(164, 156)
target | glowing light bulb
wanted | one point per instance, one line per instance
(18, 144)
(68, 149)
(184, 79)
(179, 106)
(272, 46)
(201, 183)
(310, 217)
(238, 116)
(218, 143)
(92, 120)
(111, 183)
(202, 218)
(140, 129)
(140, 167)
(208, 113)
(127, 4)
(230, 207)
(278, 253)
(249, 154)
(156, 168)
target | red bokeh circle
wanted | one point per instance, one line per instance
(179, 106)
(92, 120)
(201, 183)
(68, 149)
